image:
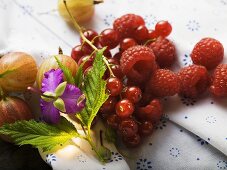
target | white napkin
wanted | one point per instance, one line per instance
(35, 27)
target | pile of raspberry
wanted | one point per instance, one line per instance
(142, 73)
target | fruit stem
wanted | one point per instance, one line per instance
(78, 28)
(60, 51)
(108, 66)
(150, 40)
(36, 91)
(95, 2)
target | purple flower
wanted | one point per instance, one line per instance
(59, 97)
(51, 80)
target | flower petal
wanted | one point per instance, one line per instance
(70, 98)
(49, 113)
(51, 80)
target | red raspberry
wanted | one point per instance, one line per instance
(164, 83)
(208, 52)
(194, 80)
(137, 63)
(219, 83)
(151, 112)
(126, 25)
(164, 51)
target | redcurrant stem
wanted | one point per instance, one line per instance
(93, 40)
(150, 40)
(78, 28)
(108, 66)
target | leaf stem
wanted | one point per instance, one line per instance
(83, 129)
(94, 148)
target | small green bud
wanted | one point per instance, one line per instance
(60, 89)
(60, 105)
(48, 96)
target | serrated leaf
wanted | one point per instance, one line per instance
(79, 76)
(94, 88)
(67, 73)
(39, 134)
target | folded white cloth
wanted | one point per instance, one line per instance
(35, 27)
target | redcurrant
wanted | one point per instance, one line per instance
(132, 141)
(87, 60)
(152, 34)
(124, 108)
(114, 86)
(145, 128)
(109, 38)
(109, 105)
(128, 128)
(127, 43)
(163, 28)
(141, 33)
(133, 94)
(113, 121)
(77, 53)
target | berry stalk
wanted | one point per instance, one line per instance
(78, 28)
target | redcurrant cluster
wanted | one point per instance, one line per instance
(129, 110)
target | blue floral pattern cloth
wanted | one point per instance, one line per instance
(193, 132)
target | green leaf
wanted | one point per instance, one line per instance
(6, 73)
(67, 73)
(110, 135)
(105, 153)
(94, 88)
(79, 76)
(66, 126)
(39, 134)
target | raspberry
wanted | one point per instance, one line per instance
(164, 83)
(194, 80)
(137, 63)
(219, 83)
(126, 25)
(151, 112)
(208, 52)
(164, 51)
